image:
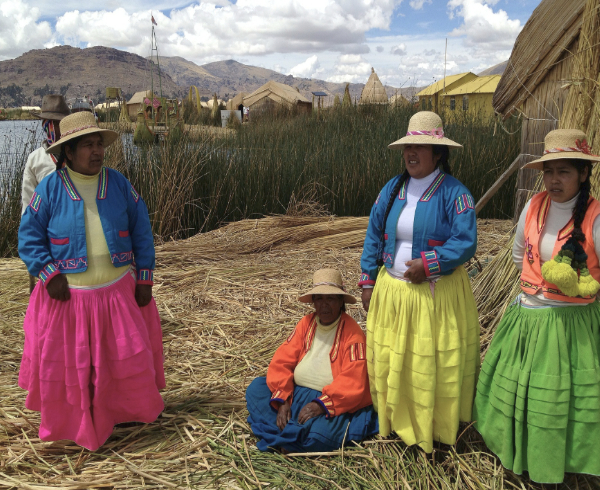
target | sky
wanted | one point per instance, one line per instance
(333, 40)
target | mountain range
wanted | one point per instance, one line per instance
(75, 72)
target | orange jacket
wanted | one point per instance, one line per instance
(531, 277)
(349, 390)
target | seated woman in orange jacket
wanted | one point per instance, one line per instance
(316, 393)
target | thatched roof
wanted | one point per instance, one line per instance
(373, 92)
(232, 104)
(399, 99)
(450, 82)
(480, 85)
(139, 97)
(278, 92)
(552, 27)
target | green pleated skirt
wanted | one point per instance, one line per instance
(537, 404)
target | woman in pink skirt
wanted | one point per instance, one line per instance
(93, 341)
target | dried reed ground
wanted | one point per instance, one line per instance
(227, 299)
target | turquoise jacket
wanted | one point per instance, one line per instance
(444, 230)
(52, 232)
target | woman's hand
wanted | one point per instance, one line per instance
(284, 414)
(416, 271)
(366, 298)
(310, 410)
(58, 288)
(143, 294)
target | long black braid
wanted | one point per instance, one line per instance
(403, 178)
(444, 152)
(582, 200)
(577, 238)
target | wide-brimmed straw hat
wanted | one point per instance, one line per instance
(53, 107)
(327, 281)
(80, 124)
(564, 143)
(424, 128)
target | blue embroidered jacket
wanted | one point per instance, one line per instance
(52, 232)
(444, 231)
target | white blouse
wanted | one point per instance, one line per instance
(404, 228)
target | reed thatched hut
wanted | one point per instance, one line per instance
(236, 103)
(538, 77)
(134, 104)
(273, 95)
(373, 92)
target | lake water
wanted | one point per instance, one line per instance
(18, 138)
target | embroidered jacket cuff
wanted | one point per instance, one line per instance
(145, 276)
(431, 263)
(48, 272)
(327, 405)
(365, 280)
(277, 398)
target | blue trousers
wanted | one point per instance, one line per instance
(318, 434)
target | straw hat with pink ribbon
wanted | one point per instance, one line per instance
(564, 143)
(327, 281)
(424, 128)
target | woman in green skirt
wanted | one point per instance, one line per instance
(538, 396)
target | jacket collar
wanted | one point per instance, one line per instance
(72, 190)
(428, 194)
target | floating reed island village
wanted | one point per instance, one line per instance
(220, 276)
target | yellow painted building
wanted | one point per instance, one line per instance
(432, 98)
(474, 97)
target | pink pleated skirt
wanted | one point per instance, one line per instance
(91, 362)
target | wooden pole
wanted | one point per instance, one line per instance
(496, 186)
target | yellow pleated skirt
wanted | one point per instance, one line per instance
(423, 357)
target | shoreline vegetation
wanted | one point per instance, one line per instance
(336, 161)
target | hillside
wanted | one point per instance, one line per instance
(229, 77)
(26, 79)
(74, 72)
(494, 70)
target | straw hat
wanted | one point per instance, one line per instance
(53, 107)
(424, 128)
(80, 124)
(327, 281)
(564, 143)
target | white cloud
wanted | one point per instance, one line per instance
(350, 68)
(306, 69)
(20, 29)
(483, 29)
(247, 27)
(418, 4)
(379, 49)
(399, 50)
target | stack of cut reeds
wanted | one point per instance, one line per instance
(227, 300)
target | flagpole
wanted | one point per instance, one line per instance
(151, 68)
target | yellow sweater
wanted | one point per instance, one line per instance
(100, 269)
(314, 370)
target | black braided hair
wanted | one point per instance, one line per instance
(403, 178)
(62, 157)
(444, 152)
(582, 200)
(574, 243)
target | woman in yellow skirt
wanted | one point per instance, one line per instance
(422, 323)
